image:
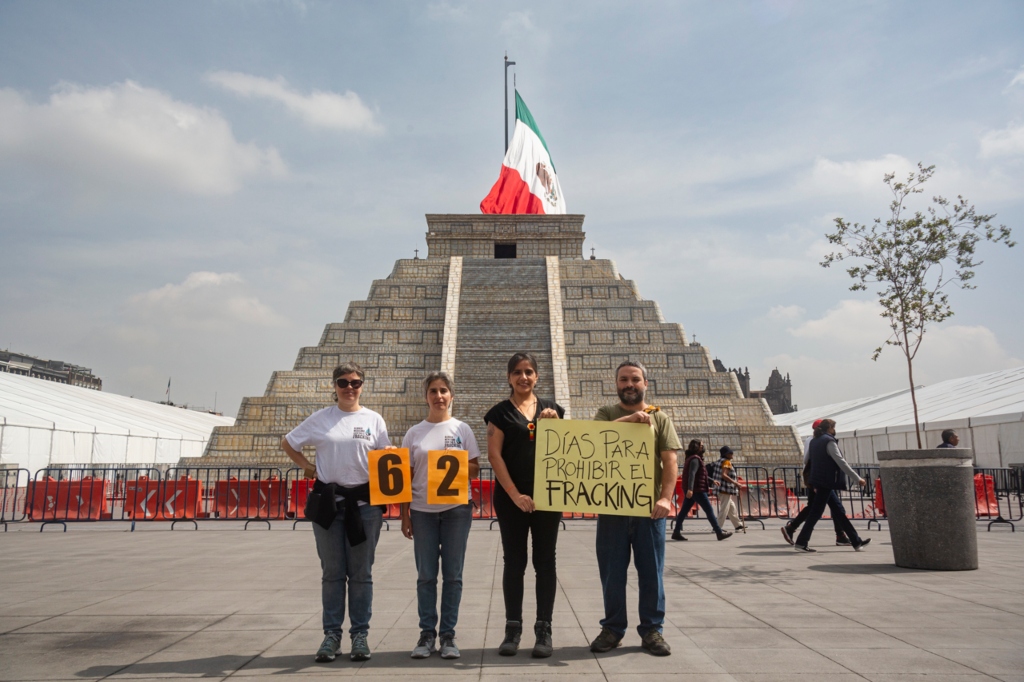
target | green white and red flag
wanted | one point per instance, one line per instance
(527, 183)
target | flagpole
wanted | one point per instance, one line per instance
(507, 64)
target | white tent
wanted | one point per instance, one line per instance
(44, 423)
(986, 410)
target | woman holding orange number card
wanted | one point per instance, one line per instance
(444, 457)
(345, 525)
(511, 425)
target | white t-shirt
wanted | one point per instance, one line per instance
(343, 441)
(425, 436)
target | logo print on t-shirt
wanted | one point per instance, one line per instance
(361, 433)
(453, 442)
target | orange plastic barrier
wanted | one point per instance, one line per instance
(235, 499)
(985, 501)
(146, 499)
(297, 500)
(879, 500)
(480, 492)
(53, 500)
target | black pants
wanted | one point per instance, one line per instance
(822, 498)
(806, 511)
(515, 526)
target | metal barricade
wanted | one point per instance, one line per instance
(13, 495)
(997, 496)
(59, 494)
(237, 493)
(860, 503)
(757, 494)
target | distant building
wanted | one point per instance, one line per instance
(778, 394)
(49, 370)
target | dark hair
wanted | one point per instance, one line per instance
(631, 363)
(343, 369)
(514, 361)
(824, 426)
(438, 376)
(694, 447)
(947, 435)
(348, 368)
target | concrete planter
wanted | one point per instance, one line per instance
(929, 499)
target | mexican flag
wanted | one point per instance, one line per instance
(527, 183)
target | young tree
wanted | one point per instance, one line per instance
(914, 258)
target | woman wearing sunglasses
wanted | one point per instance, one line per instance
(511, 426)
(439, 531)
(343, 435)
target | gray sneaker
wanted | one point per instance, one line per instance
(448, 648)
(360, 649)
(328, 651)
(425, 646)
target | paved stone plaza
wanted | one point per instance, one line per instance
(98, 602)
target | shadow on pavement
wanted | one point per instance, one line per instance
(862, 569)
(227, 664)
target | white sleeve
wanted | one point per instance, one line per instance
(382, 435)
(470, 441)
(807, 451)
(302, 434)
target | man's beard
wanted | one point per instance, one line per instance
(635, 396)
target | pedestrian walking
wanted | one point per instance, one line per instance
(789, 528)
(828, 472)
(727, 487)
(696, 487)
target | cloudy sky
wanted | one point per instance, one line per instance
(192, 190)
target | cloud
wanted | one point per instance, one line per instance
(844, 177)
(836, 364)
(1006, 142)
(1018, 79)
(127, 136)
(318, 109)
(207, 300)
(519, 26)
(785, 313)
(445, 11)
(853, 322)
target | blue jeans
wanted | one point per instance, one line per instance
(617, 537)
(705, 504)
(341, 563)
(440, 536)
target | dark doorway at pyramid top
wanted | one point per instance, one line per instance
(504, 250)
(468, 306)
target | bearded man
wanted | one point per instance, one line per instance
(618, 536)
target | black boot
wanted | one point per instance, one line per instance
(723, 534)
(543, 647)
(513, 632)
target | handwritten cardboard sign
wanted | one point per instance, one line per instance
(595, 467)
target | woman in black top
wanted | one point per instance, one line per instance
(511, 425)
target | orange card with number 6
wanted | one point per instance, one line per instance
(390, 478)
(448, 477)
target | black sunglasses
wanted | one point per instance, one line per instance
(345, 383)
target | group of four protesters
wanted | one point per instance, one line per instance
(346, 526)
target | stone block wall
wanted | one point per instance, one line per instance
(606, 322)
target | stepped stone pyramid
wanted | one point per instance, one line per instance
(492, 285)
